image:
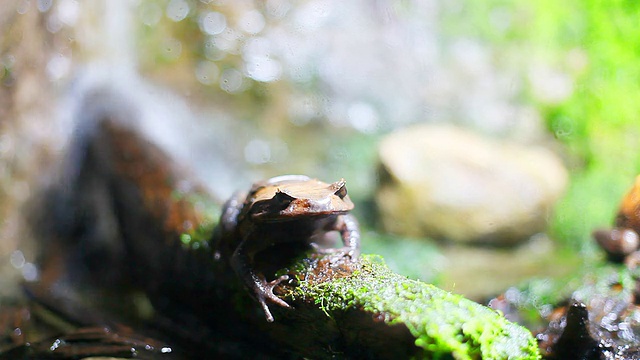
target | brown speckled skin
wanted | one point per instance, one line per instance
(290, 209)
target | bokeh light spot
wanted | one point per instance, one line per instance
(231, 80)
(213, 23)
(252, 22)
(30, 272)
(207, 72)
(150, 13)
(17, 259)
(257, 151)
(177, 10)
(44, 5)
(68, 12)
(58, 66)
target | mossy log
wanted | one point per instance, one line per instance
(341, 308)
(374, 313)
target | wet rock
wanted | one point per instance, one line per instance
(618, 243)
(574, 342)
(448, 183)
(592, 316)
(621, 242)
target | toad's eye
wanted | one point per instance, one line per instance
(342, 190)
(282, 200)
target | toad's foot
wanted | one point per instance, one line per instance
(264, 292)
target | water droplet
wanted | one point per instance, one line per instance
(563, 127)
(212, 23)
(17, 259)
(257, 151)
(259, 64)
(150, 13)
(187, 225)
(212, 52)
(44, 5)
(177, 10)
(278, 8)
(252, 22)
(185, 239)
(53, 23)
(55, 345)
(68, 11)
(363, 117)
(264, 69)
(228, 40)
(231, 81)
(58, 66)
(30, 272)
(23, 7)
(207, 72)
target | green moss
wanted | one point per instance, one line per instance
(445, 325)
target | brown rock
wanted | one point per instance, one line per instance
(448, 183)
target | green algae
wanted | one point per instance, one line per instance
(444, 325)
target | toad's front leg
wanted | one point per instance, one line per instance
(243, 264)
(347, 226)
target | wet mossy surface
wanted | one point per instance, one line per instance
(442, 325)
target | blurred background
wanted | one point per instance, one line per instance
(482, 141)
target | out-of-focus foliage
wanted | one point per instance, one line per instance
(600, 122)
(315, 82)
(596, 45)
(251, 61)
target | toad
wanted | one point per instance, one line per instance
(283, 210)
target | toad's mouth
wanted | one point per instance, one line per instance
(289, 217)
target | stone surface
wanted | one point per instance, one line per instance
(447, 183)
